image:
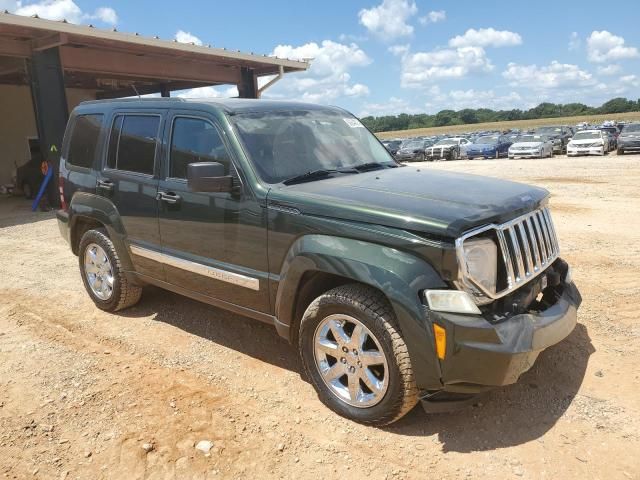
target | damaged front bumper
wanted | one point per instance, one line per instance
(481, 354)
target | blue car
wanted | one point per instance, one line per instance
(489, 146)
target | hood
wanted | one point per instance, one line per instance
(586, 141)
(437, 203)
(527, 145)
(441, 147)
(482, 146)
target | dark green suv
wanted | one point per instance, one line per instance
(396, 284)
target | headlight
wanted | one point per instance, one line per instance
(481, 258)
(454, 301)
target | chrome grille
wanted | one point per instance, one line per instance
(527, 246)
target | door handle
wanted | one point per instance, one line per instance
(170, 198)
(105, 185)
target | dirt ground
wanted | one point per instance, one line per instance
(82, 391)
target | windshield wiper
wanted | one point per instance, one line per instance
(317, 174)
(374, 166)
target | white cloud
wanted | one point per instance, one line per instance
(574, 42)
(187, 37)
(399, 50)
(393, 106)
(631, 80)
(486, 37)
(608, 70)
(389, 19)
(421, 68)
(209, 92)
(604, 46)
(328, 77)
(555, 75)
(62, 10)
(434, 16)
(460, 99)
(107, 15)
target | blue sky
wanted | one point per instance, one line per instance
(391, 56)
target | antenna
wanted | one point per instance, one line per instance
(135, 90)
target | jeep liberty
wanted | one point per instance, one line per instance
(397, 284)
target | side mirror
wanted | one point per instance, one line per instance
(208, 177)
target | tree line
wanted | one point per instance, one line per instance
(466, 116)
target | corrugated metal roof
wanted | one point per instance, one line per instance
(41, 27)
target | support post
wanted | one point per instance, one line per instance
(50, 106)
(248, 86)
(165, 92)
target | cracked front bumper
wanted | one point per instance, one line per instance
(481, 354)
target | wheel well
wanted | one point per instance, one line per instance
(81, 226)
(311, 286)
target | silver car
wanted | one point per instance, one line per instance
(531, 146)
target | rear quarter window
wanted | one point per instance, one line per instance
(84, 140)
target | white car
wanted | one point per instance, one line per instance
(588, 142)
(531, 146)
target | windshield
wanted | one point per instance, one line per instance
(549, 130)
(486, 140)
(415, 144)
(447, 141)
(530, 138)
(587, 135)
(290, 143)
(632, 127)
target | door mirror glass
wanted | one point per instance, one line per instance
(208, 177)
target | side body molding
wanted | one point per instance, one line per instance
(401, 276)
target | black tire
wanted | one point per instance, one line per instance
(27, 191)
(125, 294)
(620, 152)
(374, 311)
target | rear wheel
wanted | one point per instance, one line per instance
(102, 273)
(354, 354)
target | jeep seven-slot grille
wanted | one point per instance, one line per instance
(528, 244)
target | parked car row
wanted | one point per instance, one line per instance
(541, 142)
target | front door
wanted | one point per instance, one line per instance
(214, 244)
(129, 179)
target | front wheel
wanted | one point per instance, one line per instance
(354, 354)
(620, 152)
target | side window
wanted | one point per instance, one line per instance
(84, 140)
(195, 140)
(132, 144)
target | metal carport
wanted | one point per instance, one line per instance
(48, 67)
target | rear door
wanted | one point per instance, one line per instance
(214, 244)
(129, 178)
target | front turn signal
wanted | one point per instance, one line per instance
(440, 334)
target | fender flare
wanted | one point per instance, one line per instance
(89, 206)
(399, 275)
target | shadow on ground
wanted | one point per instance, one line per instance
(504, 417)
(515, 414)
(17, 211)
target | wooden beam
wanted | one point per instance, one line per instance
(145, 90)
(56, 40)
(13, 48)
(143, 66)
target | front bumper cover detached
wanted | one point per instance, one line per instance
(481, 355)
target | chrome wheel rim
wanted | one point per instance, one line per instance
(98, 271)
(351, 361)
